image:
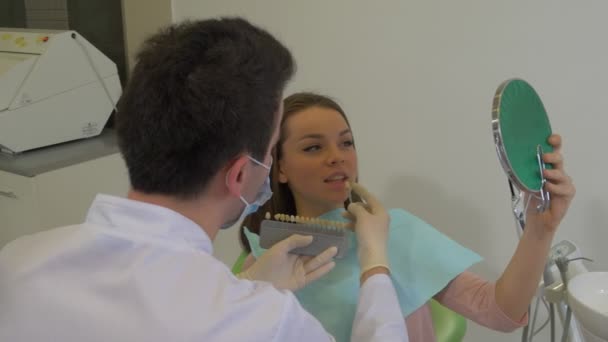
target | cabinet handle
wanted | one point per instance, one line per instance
(8, 194)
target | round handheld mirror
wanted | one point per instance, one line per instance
(521, 128)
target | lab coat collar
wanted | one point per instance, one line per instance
(147, 221)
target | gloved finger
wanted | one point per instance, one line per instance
(319, 272)
(351, 220)
(352, 217)
(295, 241)
(348, 216)
(357, 210)
(371, 200)
(349, 225)
(321, 259)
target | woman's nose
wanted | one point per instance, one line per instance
(335, 156)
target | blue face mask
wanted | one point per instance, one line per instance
(262, 197)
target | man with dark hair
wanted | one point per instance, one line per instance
(196, 125)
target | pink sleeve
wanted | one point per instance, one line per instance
(248, 262)
(474, 298)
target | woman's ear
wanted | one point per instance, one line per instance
(235, 175)
(282, 175)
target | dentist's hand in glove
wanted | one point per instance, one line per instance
(371, 224)
(290, 271)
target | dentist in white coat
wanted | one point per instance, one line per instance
(196, 125)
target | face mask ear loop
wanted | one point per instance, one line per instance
(260, 163)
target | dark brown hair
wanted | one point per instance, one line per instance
(202, 92)
(282, 200)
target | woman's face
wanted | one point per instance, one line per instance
(318, 157)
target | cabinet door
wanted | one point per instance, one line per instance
(18, 212)
(65, 195)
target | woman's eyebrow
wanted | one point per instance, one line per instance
(311, 136)
(344, 132)
(320, 136)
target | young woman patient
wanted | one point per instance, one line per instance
(314, 160)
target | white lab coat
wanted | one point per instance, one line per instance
(139, 272)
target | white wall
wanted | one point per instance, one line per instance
(139, 23)
(417, 80)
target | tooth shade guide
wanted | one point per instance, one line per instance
(325, 233)
(308, 221)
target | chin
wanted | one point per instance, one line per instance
(337, 201)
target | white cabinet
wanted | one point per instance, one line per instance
(17, 203)
(56, 198)
(60, 189)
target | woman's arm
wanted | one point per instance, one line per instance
(518, 283)
(248, 262)
(520, 280)
(487, 303)
(475, 298)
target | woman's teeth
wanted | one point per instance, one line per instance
(336, 178)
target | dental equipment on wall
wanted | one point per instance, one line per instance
(521, 127)
(54, 87)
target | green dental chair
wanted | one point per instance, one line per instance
(449, 326)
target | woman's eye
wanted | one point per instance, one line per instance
(312, 148)
(348, 143)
